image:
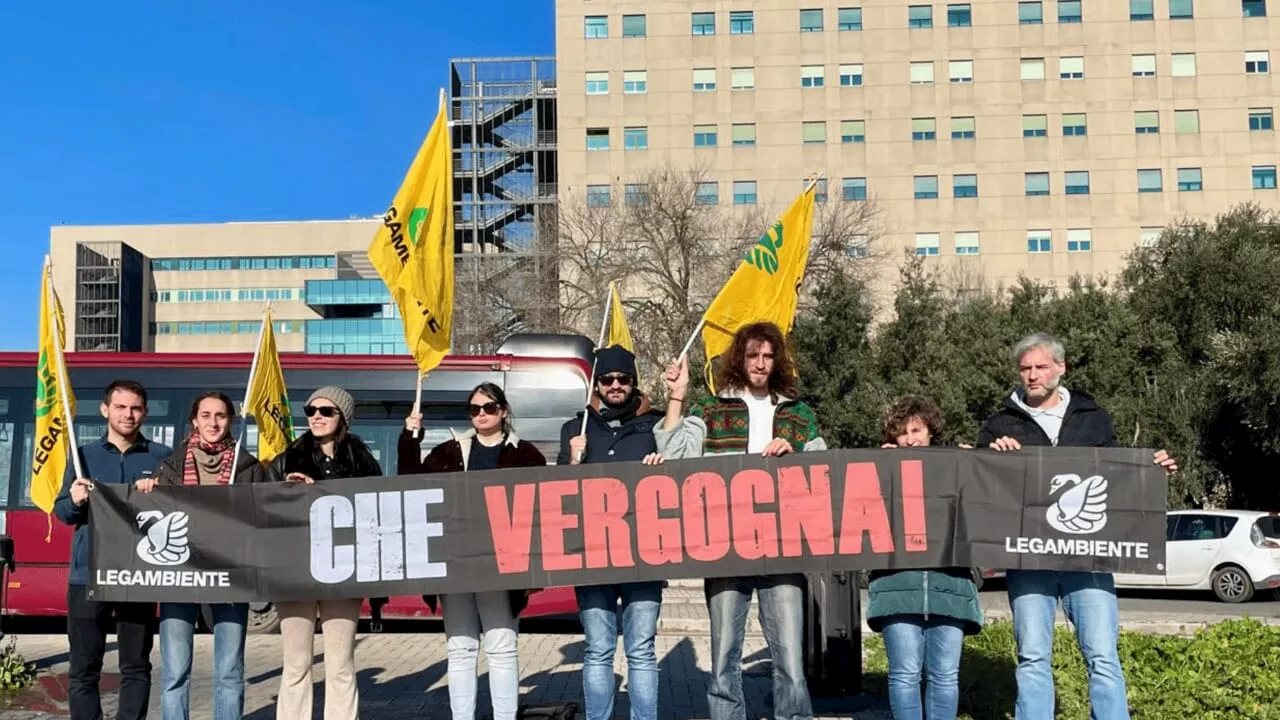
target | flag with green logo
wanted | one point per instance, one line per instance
(766, 286)
(268, 399)
(53, 440)
(413, 249)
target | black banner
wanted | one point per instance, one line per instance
(1053, 508)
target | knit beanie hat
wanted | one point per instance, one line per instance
(615, 359)
(340, 398)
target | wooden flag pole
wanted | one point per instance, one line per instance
(244, 408)
(63, 390)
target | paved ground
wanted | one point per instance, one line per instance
(402, 674)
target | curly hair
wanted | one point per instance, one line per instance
(901, 412)
(732, 372)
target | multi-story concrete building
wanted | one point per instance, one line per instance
(1046, 137)
(188, 288)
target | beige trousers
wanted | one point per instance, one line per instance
(297, 640)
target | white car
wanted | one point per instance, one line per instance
(1231, 552)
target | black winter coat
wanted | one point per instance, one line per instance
(1085, 424)
(351, 459)
(630, 442)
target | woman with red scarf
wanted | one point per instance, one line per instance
(204, 459)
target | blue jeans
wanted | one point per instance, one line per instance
(932, 647)
(177, 628)
(782, 617)
(1089, 600)
(598, 610)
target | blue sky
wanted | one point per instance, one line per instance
(154, 111)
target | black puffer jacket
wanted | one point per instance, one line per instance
(1085, 424)
(351, 459)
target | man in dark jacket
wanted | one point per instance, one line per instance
(620, 425)
(121, 456)
(1041, 412)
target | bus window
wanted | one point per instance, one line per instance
(7, 443)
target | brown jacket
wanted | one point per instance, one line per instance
(248, 469)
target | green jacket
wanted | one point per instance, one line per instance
(949, 592)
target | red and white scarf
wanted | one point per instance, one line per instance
(225, 447)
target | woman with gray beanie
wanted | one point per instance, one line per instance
(326, 450)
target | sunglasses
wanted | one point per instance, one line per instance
(324, 410)
(607, 380)
(489, 408)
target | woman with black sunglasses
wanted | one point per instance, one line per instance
(470, 618)
(327, 450)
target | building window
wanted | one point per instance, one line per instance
(596, 26)
(959, 15)
(1184, 65)
(1071, 68)
(964, 186)
(1257, 62)
(1150, 236)
(1032, 69)
(1069, 11)
(963, 128)
(597, 83)
(636, 195)
(1079, 240)
(920, 16)
(1077, 182)
(1260, 119)
(961, 71)
(922, 72)
(927, 243)
(1150, 181)
(926, 187)
(1039, 241)
(743, 134)
(1143, 65)
(635, 82)
(1181, 9)
(704, 79)
(707, 193)
(635, 138)
(853, 131)
(819, 189)
(851, 75)
(743, 79)
(1030, 13)
(1035, 126)
(598, 196)
(704, 23)
(813, 132)
(1037, 184)
(744, 192)
(1190, 180)
(1146, 122)
(1186, 122)
(811, 21)
(742, 22)
(1142, 10)
(1254, 8)
(849, 19)
(1264, 177)
(597, 138)
(1074, 125)
(967, 243)
(853, 188)
(704, 136)
(633, 26)
(812, 76)
(924, 129)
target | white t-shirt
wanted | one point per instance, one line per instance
(1049, 420)
(760, 410)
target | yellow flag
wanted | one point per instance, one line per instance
(766, 286)
(619, 332)
(413, 250)
(268, 398)
(53, 442)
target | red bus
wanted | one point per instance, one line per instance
(545, 378)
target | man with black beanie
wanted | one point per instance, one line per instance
(619, 428)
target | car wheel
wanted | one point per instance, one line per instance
(264, 619)
(1232, 584)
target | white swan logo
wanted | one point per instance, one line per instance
(1081, 509)
(164, 537)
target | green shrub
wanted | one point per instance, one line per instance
(1230, 670)
(15, 672)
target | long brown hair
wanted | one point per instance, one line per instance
(732, 372)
